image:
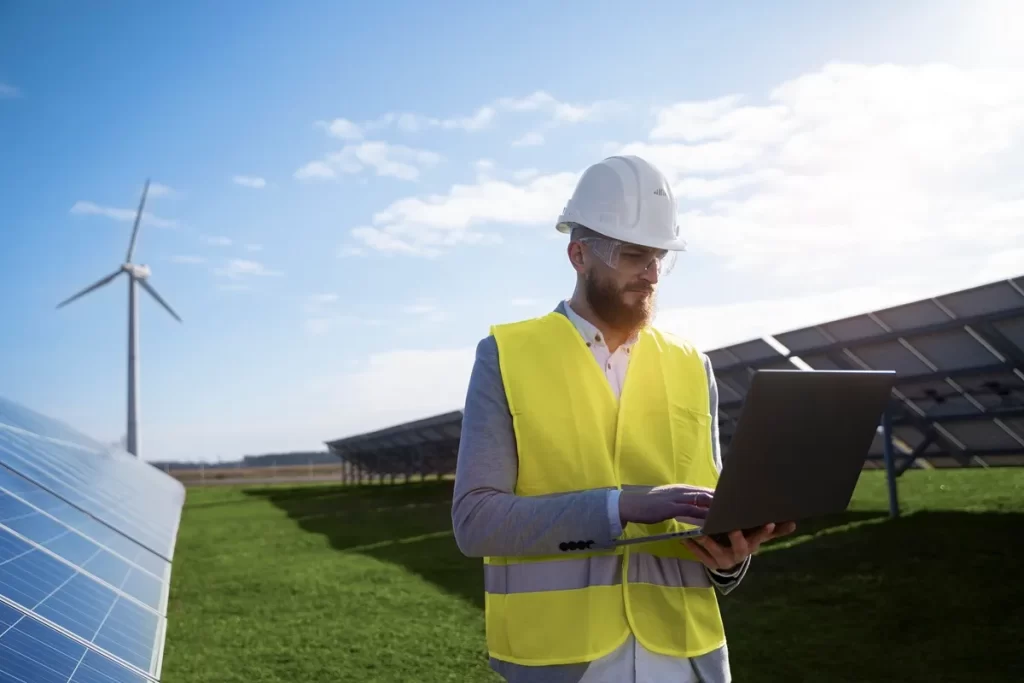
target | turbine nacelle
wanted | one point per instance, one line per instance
(137, 271)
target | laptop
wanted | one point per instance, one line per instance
(798, 450)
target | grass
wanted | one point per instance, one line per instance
(325, 583)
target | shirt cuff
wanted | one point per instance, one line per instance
(614, 520)
(731, 574)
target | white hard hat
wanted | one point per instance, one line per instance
(628, 199)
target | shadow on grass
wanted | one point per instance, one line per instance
(408, 525)
(933, 596)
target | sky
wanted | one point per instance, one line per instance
(344, 199)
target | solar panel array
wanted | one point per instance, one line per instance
(959, 358)
(425, 447)
(87, 535)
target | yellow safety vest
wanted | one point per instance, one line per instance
(572, 434)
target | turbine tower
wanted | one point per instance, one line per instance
(137, 275)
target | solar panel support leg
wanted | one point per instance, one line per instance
(916, 453)
(890, 464)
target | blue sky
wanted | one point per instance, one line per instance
(344, 201)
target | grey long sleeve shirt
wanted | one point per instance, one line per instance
(490, 520)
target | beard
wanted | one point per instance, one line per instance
(608, 302)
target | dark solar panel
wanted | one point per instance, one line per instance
(86, 535)
(427, 447)
(960, 358)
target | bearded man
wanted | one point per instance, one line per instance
(588, 425)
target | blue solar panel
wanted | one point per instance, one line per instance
(130, 496)
(86, 535)
(31, 651)
(76, 549)
(74, 518)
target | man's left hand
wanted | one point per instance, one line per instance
(720, 557)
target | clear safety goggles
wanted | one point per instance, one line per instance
(630, 259)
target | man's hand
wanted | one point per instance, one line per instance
(688, 504)
(717, 556)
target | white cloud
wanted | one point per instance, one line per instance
(250, 181)
(421, 308)
(848, 170)
(9, 91)
(484, 167)
(343, 129)
(188, 259)
(413, 123)
(396, 161)
(483, 117)
(531, 139)
(314, 169)
(839, 171)
(679, 160)
(1002, 265)
(320, 325)
(479, 120)
(561, 112)
(525, 174)
(237, 268)
(157, 190)
(317, 326)
(322, 316)
(394, 387)
(427, 311)
(216, 240)
(126, 215)
(323, 298)
(425, 225)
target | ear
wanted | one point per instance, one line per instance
(575, 252)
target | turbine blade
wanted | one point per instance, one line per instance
(152, 292)
(138, 219)
(95, 285)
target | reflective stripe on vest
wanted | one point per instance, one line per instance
(602, 570)
(572, 434)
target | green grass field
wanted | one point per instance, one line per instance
(324, 583)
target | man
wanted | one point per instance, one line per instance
(563, 451)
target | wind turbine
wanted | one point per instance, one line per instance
(137, 275)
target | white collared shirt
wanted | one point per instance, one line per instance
(613, 364)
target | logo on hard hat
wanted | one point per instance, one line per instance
(660, 192)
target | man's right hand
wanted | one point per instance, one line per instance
(687, 504)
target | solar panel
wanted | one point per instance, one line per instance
(86, 538)
(959, 359)
(427, 447)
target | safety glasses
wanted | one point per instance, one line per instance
(630, 259)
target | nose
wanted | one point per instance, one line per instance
(650, 274)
